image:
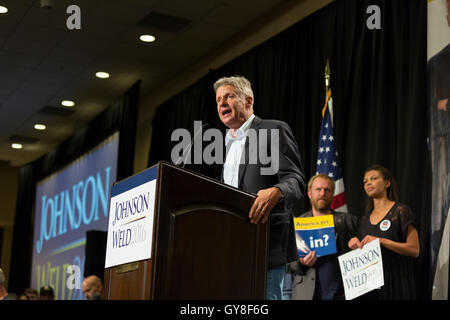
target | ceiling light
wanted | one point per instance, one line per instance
(3, 9)
(102, 75)
(16, 146)
(147, 38)
(40, 126)
(68, 103)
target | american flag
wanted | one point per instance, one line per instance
(327, 155)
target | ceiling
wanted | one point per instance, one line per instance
(42, 62)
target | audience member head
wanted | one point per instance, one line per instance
(92, 288)
(46, 293)
(30, 294)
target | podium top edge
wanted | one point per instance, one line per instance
(163, 163)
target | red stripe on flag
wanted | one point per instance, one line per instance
(338, 201)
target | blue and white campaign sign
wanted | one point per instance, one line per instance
(315, 234)
(130, 227)
(362, 270)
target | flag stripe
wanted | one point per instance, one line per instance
(339, 186)
(338, 201)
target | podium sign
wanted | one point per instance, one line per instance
(131, 213)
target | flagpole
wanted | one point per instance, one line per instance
(328, 102)
(327, 90)
(327, 76)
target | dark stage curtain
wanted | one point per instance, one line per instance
(20, 268)
(378, 82)
(120, 116)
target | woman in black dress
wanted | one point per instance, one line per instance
(394, 225)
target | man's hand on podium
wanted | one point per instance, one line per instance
(265, 201)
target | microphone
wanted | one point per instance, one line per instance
(184, 157)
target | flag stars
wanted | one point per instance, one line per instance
(327, 155)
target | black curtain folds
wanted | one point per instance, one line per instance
(120, 116)
(22, 244)
(378, 83)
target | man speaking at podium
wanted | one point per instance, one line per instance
(279, 187)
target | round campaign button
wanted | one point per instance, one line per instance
(385, 225)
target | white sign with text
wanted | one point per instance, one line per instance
(362, 270)
(130, 227)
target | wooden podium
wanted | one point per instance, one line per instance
(204, 246)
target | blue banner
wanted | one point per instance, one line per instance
(69, 203)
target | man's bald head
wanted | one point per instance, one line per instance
(92, 287)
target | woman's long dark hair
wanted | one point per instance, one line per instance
(392, 190)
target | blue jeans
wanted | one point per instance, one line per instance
(275, 280)
(287, 286)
